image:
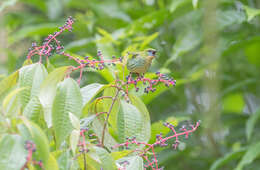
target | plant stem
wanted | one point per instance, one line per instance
(106, 121)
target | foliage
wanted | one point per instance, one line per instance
(211, 48)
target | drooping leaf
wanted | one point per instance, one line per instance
(67, 100)
(107, 160)
(48, 91)
(12, 151)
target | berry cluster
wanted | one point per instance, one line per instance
(160, 141)
(31, 148)
(151, 83)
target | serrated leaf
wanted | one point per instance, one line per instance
(31, 77)
(251, 122)
(8, 82)
(134, 162)
(131, 122)
(74, 139)
(68, 99)
(33, 109)
(13, 154)
(226, 158)
(40, 140)
(48, 91)
(251, 154)
(138, 103)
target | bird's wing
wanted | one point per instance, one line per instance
(135, 63)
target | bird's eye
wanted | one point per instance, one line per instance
(151, 52)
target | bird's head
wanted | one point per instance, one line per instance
(151, 52)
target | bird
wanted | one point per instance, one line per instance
(140, 62)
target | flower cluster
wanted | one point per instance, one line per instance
(31, 148)
(160, 141)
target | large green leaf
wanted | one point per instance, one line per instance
(251, 122)
(13, 154)
(48, 91)
(52, 163)
(131, 122)
(31, 77)
(40, 139)
(251, 154)
(67, 100)
(107, 160)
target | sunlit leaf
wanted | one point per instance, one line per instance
(74, 139)
(251, 12)
(134, 162)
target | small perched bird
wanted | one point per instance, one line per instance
(139, 62)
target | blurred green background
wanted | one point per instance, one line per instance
(211, 47)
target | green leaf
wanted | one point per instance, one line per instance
(134, 162)
(107, 160)
(120, 154)
(131, 122)
(67, 100)
(138, 103)
(186, 41)
(40, 139)
(251, 122)
(74, 121)
(148, 40)
(48, 91)
(195, 3)
(74, 140)
(177, 4)
(33, 110)
(32, 30)
(13, 154)
(52, 163)
(233, 103)
(227, 158)
(251, 12)
(159, 128)
(90, 91)
(8, 82)
(251, 154)
(31, 77)
(10, 103)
